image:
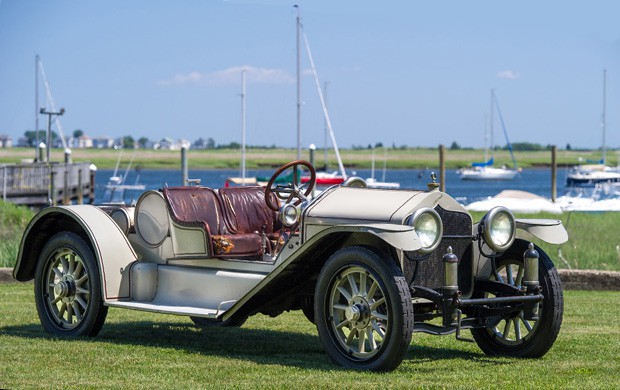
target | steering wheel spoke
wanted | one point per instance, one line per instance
(294, 192)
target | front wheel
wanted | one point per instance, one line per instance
(512, 334)
(67, 288)
(363, 310)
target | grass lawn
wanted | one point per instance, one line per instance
(147, 350)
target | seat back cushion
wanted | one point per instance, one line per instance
(246, 210)
(194, 206)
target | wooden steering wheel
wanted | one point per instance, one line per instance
(289, 190)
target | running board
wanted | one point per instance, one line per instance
(177, 310)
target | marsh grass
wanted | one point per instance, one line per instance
(257, 158)
(13, 221)
(144, 350)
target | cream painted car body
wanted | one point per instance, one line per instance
(172, 273)
(149, 258)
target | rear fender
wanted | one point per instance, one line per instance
(110, 246)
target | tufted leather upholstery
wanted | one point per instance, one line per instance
(196, 206)
(246, 210)
(234, 219)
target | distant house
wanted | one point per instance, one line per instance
(6, 141)
(103, 143)
(83, 141)
(166, 143)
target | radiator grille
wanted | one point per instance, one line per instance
(428, 270)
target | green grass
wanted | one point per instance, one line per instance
(13, 221)
(144, 350)
(412, 158)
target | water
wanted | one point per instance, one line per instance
(536, 181)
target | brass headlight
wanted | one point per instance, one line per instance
(499, 229)
(427, 225)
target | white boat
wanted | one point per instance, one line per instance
(488, 173)
(517, 201)
(590, 174)
(486, 170)
(598, 198)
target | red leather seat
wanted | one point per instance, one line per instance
(248, 220)
(236, 220)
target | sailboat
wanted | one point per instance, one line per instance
(485, 170)
(117, 185)
(371, 182)
(592, 173)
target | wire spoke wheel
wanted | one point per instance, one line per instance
(512, 329)
(363, 310)
(358, 312)
(68, 289)
(511, 334)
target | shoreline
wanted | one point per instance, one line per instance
(571, 279)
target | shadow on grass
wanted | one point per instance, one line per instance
(261, 346)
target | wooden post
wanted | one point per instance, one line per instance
(554, 173)
(184, 165)
(93, 172)
(66, 199)
(52, 187)
(80, 194)
(442, 169)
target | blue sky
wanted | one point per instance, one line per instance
(415, 73)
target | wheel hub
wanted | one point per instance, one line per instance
(65, 289)
(358, 313)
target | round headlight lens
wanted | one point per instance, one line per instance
(427, 225)
(289, 215)
(499, 229)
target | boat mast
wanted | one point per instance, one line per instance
(325, 113)
(243, 126)
(501, 121)
(36, 103)
(326, 130)
(603, 118)
(492, 126)
(298, 83)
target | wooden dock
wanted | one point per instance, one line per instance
(35, 184)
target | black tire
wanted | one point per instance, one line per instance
(363, 310)
(536, 337)
(67, 288)
(202, 322)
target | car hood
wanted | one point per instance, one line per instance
(365, 204)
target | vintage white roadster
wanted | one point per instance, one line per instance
(368, 266)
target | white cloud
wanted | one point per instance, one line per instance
(232, 76)
(508, 74)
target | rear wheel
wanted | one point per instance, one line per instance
(512, 334)
(67, 288)
(363, 310)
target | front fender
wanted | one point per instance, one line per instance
(401, 237)
(110, 246)
(548, 230)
